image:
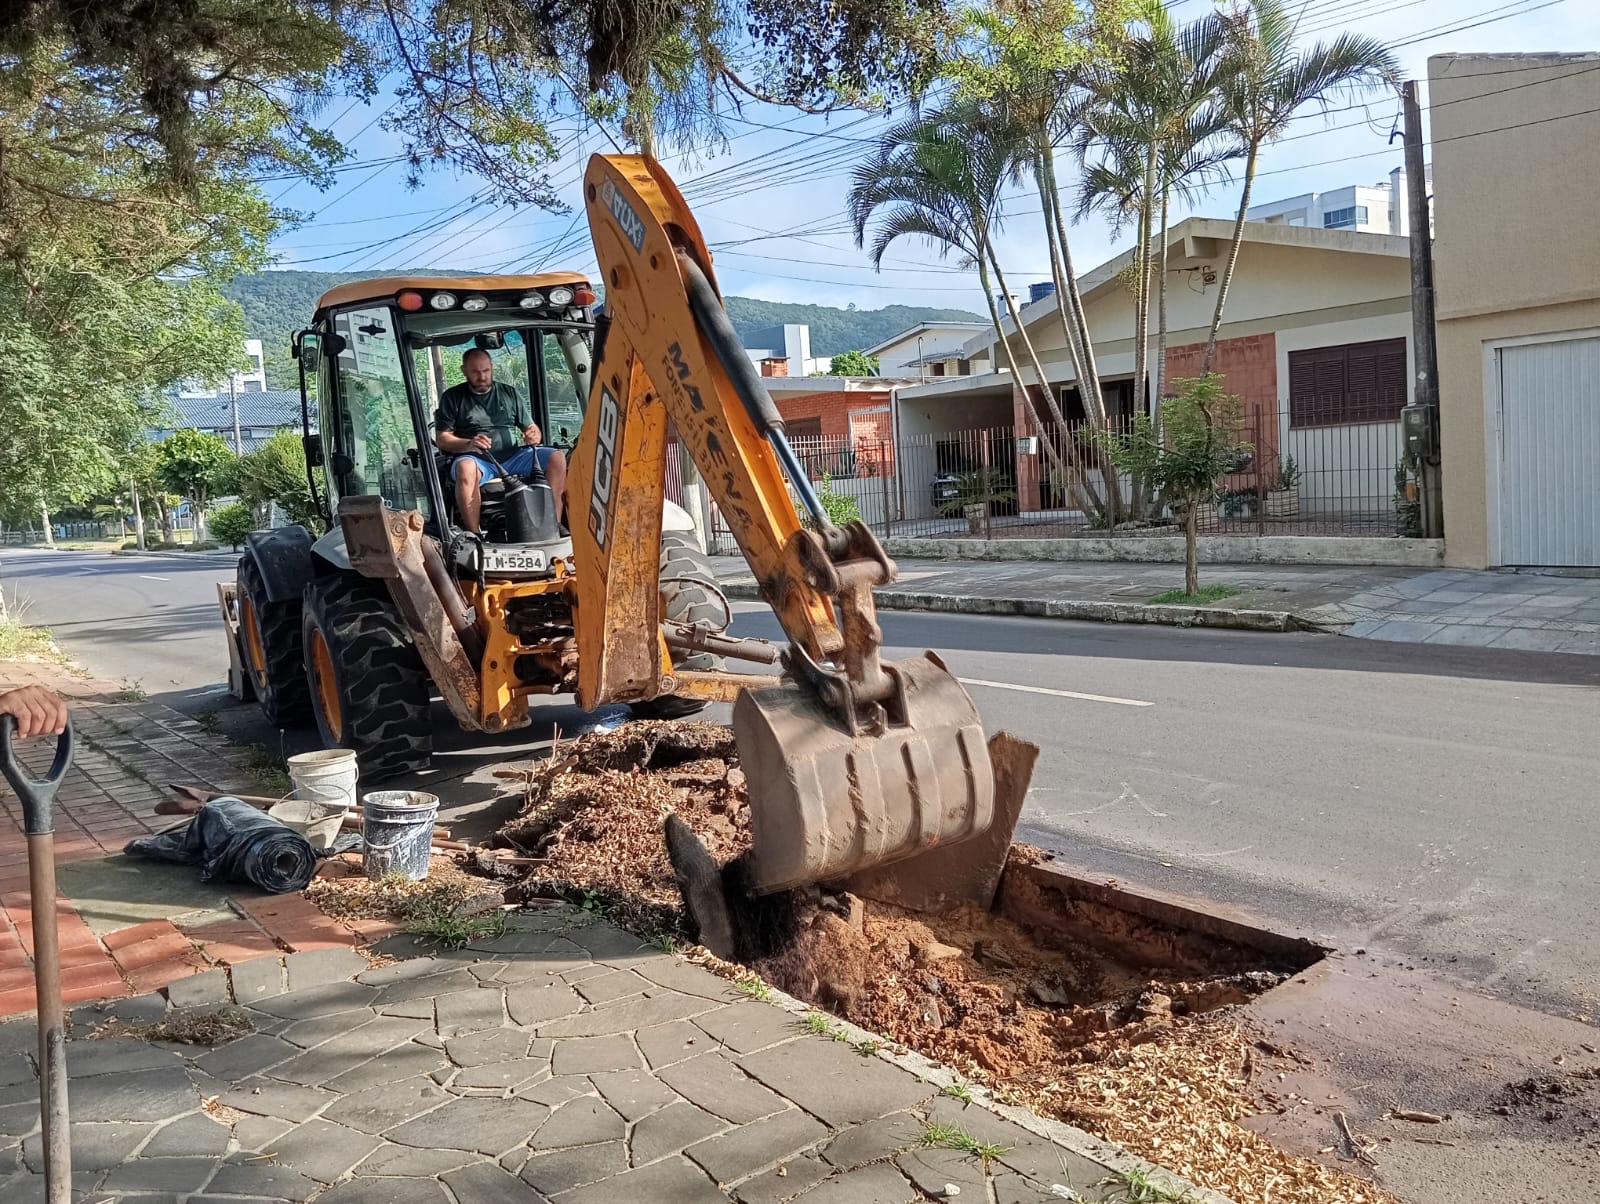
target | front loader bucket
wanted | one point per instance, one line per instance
(825, 804)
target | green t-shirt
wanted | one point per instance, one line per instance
(501, 413)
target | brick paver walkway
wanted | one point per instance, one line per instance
(561, 1061)
(125, 755)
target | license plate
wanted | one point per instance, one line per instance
(503, 560)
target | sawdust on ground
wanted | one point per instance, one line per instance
(446, 888)
(1138, 1062)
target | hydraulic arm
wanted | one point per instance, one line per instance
(851, 761)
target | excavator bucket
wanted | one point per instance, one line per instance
(826, 803)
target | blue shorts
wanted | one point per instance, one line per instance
(519, 463)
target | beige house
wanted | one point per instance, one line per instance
(1516, 161)
(1316, 339)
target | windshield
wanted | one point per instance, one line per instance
(379, 441)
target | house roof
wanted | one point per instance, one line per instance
(911, 331)
(272, 408)
(1206, 239)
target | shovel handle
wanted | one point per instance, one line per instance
(37, 794)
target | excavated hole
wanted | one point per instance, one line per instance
(1062, 971)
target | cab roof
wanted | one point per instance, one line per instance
(381, 288)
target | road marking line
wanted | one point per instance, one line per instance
(1006, 685)
(148, 577)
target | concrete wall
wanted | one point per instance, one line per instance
(1516, 182)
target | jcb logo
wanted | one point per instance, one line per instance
(623, 213)
(605, 465)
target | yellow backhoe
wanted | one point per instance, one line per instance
(852, 761)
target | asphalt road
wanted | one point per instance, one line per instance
(1438, 802)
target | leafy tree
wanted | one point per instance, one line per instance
(1198, 446)
(853, 363)
(1265, 84)
(275, 472)
(190, 463)
(231, 523)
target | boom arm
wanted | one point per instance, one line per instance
(666, 353)
(850, 764)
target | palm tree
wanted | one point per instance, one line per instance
(1146, 127)
(940, 177)
(1264, 84)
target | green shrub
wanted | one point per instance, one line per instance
(840, 508)
(231, 523)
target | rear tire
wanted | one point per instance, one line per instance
(269, 637)
(369, 689)
(689, 594)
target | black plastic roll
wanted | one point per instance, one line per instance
(233, 841)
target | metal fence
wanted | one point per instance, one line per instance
(1328, 465)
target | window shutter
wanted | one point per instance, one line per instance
(1351, 383)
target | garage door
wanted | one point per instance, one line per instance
(1549, 453)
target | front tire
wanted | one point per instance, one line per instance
(369, 688)
(269, 635)
(689, 594)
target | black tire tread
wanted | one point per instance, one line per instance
(284, 697)
(383, 684)
(689, 594)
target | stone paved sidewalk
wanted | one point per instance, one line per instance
(563, 1061)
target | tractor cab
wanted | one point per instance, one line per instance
(383, 352)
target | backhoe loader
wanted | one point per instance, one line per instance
(851, 761)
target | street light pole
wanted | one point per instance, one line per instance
(1424, 351)
(233, 397)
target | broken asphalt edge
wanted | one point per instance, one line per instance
(1076, 1141)
(1062, 608)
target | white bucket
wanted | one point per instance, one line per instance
(317, 822)
(326, 778)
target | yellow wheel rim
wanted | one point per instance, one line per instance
(323, 683)
(255, 650)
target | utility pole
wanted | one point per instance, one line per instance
(233, 397)
(1423, 434)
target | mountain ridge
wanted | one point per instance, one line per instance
(277, 303)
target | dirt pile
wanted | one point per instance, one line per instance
(1064, 1027)
(1546, 1105)
(594, 813)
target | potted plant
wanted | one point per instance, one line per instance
(972, 493)
(1283, 500)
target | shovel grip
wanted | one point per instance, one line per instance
(37, 795)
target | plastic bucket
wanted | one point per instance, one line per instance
(397, 827)
(327, 777)
(317, 822)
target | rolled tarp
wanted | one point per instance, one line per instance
(232, 841)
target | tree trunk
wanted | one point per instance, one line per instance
(1141, 346)
(49, 535)
(1094, 402)
(138, 517)
(1088, 389)
(1191, 549)
(1233, 257)
(1161, 326)
(1056, 416)
(1067, 477)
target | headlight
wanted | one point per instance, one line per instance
(560, 295)
(442, 300)
(531, 301)
(474, 304)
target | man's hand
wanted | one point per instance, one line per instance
(531, 434)
(36, 710)
(481, 442)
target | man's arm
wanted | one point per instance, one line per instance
(36, 710)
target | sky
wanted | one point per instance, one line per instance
(772, 202)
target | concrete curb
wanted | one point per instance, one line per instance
(219, 554)
(1054, 608)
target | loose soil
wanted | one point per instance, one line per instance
(1140, 1056)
